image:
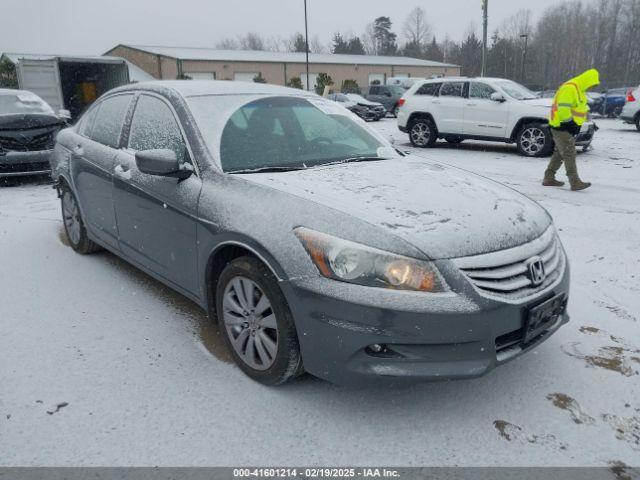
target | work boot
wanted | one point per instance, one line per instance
(578, 184)
(552, 182)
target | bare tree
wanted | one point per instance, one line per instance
(415, 29)
(251, 41)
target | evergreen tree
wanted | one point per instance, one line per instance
(384, 38)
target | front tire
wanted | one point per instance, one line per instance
(256, 322)
(534, 140)
(74, 226)
(422, 133)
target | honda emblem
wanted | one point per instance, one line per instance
(535, 266)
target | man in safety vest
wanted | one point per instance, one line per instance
(568, 113)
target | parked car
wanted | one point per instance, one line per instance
(312, 242)
(405, 82)
(493, 109)
(387, 95)
(631, 111)
(363, 111)
(610, 103)
(377, 108)
(28, 127)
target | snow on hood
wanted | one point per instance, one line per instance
(540, 102)
(443, 211)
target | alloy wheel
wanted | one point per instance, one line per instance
(71, 215)
(532, 141)
(250, 323)
(420, 134)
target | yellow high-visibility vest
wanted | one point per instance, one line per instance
(570, 101)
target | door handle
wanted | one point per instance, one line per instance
(122, 171)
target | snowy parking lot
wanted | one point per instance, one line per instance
(102, 365)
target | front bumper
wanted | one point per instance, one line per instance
(14, 164)
(448, 336)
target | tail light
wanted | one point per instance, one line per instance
(401, 102)
(630, 97)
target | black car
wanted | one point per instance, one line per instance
(363, 111)
(28, 127)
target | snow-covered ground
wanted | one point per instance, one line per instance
(101, 365)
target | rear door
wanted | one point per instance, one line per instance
(156, 215)
(483, 116)
(96, 144)
(451, 107)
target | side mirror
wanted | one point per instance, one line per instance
(498, 97)
(64, 114)
(161, 162)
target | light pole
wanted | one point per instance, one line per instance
(524, 53)
(485, 21)
(306, 41)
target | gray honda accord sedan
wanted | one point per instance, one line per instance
(312, 242)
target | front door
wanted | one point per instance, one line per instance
(450, 107)
(483, 116)
(156, 215)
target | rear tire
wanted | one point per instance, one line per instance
(394, 112)
(638, 122)
(256, 322)
(534, 140)
(74, 226)
(422, 133)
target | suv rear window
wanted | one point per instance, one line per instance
(431, 89)
(452, 89)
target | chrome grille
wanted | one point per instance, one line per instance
(505, 273)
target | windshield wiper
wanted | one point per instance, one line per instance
(267, 169)
(353, 160)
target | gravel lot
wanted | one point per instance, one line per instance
(101, 365)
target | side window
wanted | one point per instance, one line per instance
(374, 90)
(452, 89)
(431, 89)
(154, 126)
(86, 122)
(480, 90)
(109, 120)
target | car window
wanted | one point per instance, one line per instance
(109, 120)
(154, 126)
(452, 89)
(292, 132)
(374, 90)
(86, 122)
(431, 89)
(480, 90)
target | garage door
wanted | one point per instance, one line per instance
(245, 76)
(378, 78)
(201, 75)
(313, 80)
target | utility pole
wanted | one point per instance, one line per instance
(485, 21)
(306, 41)
(524, 54)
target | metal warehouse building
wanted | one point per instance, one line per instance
(275, 67)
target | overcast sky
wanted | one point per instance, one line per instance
(92, 27)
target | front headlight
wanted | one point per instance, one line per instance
(352, 262)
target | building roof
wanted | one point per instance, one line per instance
(189, 53)
(14, 57)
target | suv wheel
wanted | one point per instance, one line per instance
(394, 111)
(74, 225)
(256, 322)
(422, 133)
(534, 140)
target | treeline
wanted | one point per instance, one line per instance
(567, 38)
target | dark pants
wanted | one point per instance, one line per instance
(564, 151)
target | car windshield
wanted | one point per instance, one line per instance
(284, 133)
(22, 102)
(517, 91)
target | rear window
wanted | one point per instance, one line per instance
(452, 89)
(431, 89)
(109, 120)
(23, 102)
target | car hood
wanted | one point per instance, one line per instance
(539, 102)
(443, 211)
(26, 121)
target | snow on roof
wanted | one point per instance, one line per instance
(189, 53)
(192, 88)
(15, 57)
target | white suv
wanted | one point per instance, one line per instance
(631, 110)
(495, 109)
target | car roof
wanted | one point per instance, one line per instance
(194, 88)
